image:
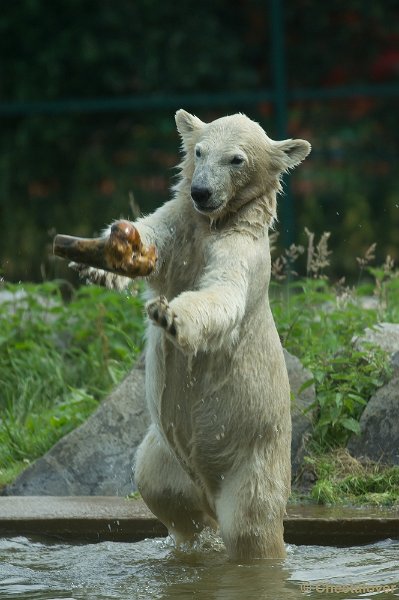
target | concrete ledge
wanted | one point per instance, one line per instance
(98, 518)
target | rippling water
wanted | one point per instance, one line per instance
(153, 568)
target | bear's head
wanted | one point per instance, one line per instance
(231, 161)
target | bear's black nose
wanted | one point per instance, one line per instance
(200, 195)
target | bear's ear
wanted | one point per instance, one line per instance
(289, 153)
(186, 124)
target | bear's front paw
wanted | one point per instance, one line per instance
(160, 312)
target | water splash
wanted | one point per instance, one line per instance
(155, 568)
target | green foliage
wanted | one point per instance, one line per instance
(107, 49)
(72, 171)
(320, 331)
(319, 323)
(57, 361)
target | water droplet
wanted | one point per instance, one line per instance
(222, 477)
(173, 523)
(217, 436)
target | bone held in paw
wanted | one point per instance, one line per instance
(122, 252)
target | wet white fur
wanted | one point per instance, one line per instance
(218, 449)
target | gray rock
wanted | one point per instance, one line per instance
(383, 335)
(301, 420)
(379, 423)
(395, 363)
(97, 457)
(379, 426)
(368, 302)
(11, 302)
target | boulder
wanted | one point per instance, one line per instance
(301, 401)
(383, 335)
(96, 458)
(21, 300)
(379, 426)
(379, 423)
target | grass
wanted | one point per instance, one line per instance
(342, 479)
(59, 359)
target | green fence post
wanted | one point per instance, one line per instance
(278, 69)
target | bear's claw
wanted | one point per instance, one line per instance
(160, 312)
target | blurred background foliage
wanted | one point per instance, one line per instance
(71, 171)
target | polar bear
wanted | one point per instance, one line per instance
(218, 449)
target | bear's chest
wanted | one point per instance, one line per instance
(185, 265)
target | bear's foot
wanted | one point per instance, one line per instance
(121, 253)
(160, 312)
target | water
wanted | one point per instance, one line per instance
(31, 569)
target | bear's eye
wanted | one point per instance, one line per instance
(197, 152)
(237, 160)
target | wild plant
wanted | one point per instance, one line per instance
(317, 255)
(319, 321)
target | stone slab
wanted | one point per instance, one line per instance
(98, 518)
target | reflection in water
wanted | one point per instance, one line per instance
(154, 569)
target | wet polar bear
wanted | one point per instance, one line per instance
(218, 448)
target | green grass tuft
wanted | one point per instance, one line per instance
(57, 361)
(342, 479)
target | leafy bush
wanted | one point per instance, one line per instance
(63, 166)
(319, 323)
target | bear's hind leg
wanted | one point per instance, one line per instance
(250, 510)
(167, 489)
